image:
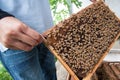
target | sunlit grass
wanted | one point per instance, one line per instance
(4, 75)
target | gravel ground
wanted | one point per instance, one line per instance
(61, 71)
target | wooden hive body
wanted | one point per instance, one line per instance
(107, 71)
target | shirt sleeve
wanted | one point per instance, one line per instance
(4, 14)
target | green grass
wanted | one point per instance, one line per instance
(4, 75)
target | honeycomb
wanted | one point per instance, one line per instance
(82, 39)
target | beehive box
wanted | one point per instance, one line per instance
(107, 71)
(81, 42)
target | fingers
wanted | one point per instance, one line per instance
(32, 33)
(93, 0)
(96, 0)
(18, 45)
(26, 39)
(44, 34)
(22, 46)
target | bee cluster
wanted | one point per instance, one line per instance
(82, 39)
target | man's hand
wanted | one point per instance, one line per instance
(93, 0)
(16, 35)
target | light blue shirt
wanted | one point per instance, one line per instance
(35, 13)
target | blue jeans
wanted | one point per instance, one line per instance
(37, 64)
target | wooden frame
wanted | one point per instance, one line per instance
(67, 67)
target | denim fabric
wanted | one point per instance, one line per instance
(37, 64)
